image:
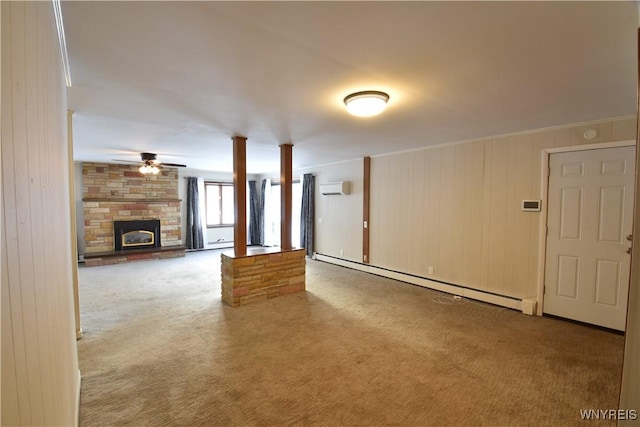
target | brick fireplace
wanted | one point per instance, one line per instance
(113, 192)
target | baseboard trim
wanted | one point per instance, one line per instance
(450, 288)
(78, 398)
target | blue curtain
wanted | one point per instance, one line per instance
(263, 197)
(194, 237)
(307, 214)
(254, 215)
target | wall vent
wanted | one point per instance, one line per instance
(531, 205)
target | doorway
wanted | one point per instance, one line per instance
(589, 221)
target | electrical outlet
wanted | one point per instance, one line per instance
(319, 220)
(341, 252)
(430, 269)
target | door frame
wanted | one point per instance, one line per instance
(544, 193)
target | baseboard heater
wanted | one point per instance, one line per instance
(225, 242)
(527, 306)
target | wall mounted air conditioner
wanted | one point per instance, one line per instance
(341, 187)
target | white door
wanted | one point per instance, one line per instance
(590, 208)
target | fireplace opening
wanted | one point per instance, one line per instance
(137, 234)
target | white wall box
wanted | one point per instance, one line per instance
(340, 187)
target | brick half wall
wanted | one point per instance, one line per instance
(257, 277)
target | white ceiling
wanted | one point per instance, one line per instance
(181, 78)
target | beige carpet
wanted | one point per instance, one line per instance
(160, 348)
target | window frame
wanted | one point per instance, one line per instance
(219, 185)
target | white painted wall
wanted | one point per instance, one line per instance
(40, 377)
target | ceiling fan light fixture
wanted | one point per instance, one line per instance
(366, 103)
(149, 169)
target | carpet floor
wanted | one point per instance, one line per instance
(161, 349)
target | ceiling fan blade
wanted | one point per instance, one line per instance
(172, 165)
(126, 161)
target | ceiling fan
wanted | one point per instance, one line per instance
(150, 164)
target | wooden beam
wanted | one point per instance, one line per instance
(286, 177)
(240, 195)
(365, 209)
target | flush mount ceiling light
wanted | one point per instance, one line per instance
(366, 103)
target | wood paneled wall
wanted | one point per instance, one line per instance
(630, 387)
(455, 208)
(40, 378)
(341, 215)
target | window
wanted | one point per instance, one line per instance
(219, 203)
(296, 206)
